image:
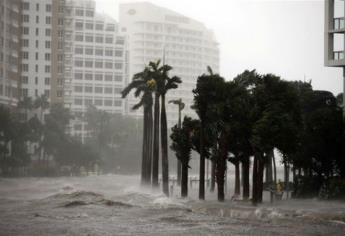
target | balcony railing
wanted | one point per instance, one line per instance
(338, 55)
(339, 23)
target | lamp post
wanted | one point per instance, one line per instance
(180, 105)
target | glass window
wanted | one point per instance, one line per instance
(98, 90)
(118, 53)
(99, 77)
(99, 52)
(78, 76)
(78, 50)
(88, 76)
(89, 51)
(98, 64)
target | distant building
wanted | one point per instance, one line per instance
(185, 44)
(335, 36)
(10, 50)
(95, 62)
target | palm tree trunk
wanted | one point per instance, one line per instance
(221, 167)
(245, 177)
(269, 179)
(213, 175)
(155, 160)
(144, 149)
(179, 165)
(237, 179)
(150, 147)
(202, 164)
(255, 180)
(184, 180)
(164, 142)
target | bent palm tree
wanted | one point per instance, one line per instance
(143, 83)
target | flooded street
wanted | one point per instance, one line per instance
(116, 205)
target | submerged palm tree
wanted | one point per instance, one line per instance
(144, 84)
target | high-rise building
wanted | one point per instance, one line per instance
(95, 62)
(185, 44)
(335, 36)
(10, 50)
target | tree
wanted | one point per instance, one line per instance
(182, 145)
(143, 83)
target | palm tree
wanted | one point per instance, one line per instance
(143, 83)
(180, 105)
(26, 104)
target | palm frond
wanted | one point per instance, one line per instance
(134, 84)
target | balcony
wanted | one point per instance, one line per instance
(339, 23)
(338, 55)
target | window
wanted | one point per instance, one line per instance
(89, 64)
(109, 52)
(60, 33)
(36, 68)
(89, 13)
(78, 76)
(99, 39)
(99, 27)
(25, 18)
(78, 50)
(88, 76)
(79, 12)
(47, 81)
(48, 7)
(24, 79)
(47, 69)
(89, 26)
(78, 89)
(117, 103)
(59, 93)
(98, 77)
(36, 56)
(25, 92)
(78, 63)
(118, 66)
(78, 101)
(108, 90)
(109, 65)
(98, 64)
(25, 67)
(88, 102)
(25, 30)
(117, 90)
(120, 41)
(26, 6)
(25, 43)
(25, 55)
(108, 77)
(47, 56)
(38, 43)
(48, 32)
(47, 44)
(98, 102)
(88, 89)
(110, 27)
(99, 52)
(37, 31)
(37, 6)
(36, 80)
(48, 20)
(79, 38)
(89, 51)
(37, 19)
(79, 25)
(98, 90)
(60, 57)
(108, 103)
(118, 78)
(89, 38)
(109, 40)
(60, 21)
(118, 53)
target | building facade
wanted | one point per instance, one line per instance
(95, 62)
(158, 33)
(10, 51)
(335, 36)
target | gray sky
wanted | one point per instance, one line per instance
(280, 37)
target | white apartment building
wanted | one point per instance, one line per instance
(95, 67)
(10, 36)
(36, 52)
(187, 45)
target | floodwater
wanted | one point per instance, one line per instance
(116, 205)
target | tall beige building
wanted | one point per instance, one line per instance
(185, 44)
